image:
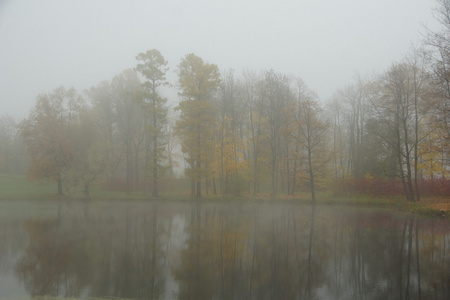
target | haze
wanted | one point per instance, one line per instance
(46, 44)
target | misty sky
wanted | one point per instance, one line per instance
(45, 44)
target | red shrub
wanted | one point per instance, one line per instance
(390, 187)
(435, 187)
(369, 186)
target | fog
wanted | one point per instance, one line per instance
(224, 149)
(46, 44)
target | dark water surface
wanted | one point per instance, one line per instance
(223, 251)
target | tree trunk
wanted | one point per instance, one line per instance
(155, 147)
(60, 190)
(155, 192)
(222, 188)
(410, 191)
(416, 142)
(311, 174)
(199, 165)
(128, 166)
(87, 190)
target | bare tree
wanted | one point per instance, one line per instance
(129, 118)
(255, 107)
(276, 95)
(312, 133)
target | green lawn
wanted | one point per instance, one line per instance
(17, 187)
(14, 187)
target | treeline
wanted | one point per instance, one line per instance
(249, 132)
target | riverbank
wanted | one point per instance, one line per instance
(14, 188)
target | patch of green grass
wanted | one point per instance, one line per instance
(17, 187)
(14, 187)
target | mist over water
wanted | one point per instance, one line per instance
(224, 251)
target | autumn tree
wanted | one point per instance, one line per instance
(89, 161)
(230, 150)
(153, 67)
(198, 81)
(48, 134)
(439, 43)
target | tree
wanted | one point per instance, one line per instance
(230, 163)
(336, 111)
(153, 67)
(48, 134)
(198, 81)
(128, 116)
(401, 105)
(254, 106)
(89, 161)
(312, 133)
(439, 42)
(103, 115)
(276, 95)
(13, 158)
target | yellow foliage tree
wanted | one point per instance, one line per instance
(198, 82)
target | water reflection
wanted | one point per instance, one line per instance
(204, 251)
(110, 256)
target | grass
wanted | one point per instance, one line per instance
(51, 298)
(16, 187)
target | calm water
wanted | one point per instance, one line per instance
(226, 251)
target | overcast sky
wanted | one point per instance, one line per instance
(45, 44)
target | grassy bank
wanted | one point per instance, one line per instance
(18, 188)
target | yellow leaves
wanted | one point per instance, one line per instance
(432, 157)
(368, 176)
(197, 78)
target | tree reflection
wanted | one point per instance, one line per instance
(236, 252)
(288, 254)
(263, 256)
(95, 256)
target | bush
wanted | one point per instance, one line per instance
(435, 187)
(389, 187)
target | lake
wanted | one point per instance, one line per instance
(221, 251)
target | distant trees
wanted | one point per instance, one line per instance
(13, 158)
(260, 133)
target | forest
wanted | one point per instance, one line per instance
(244, 133)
